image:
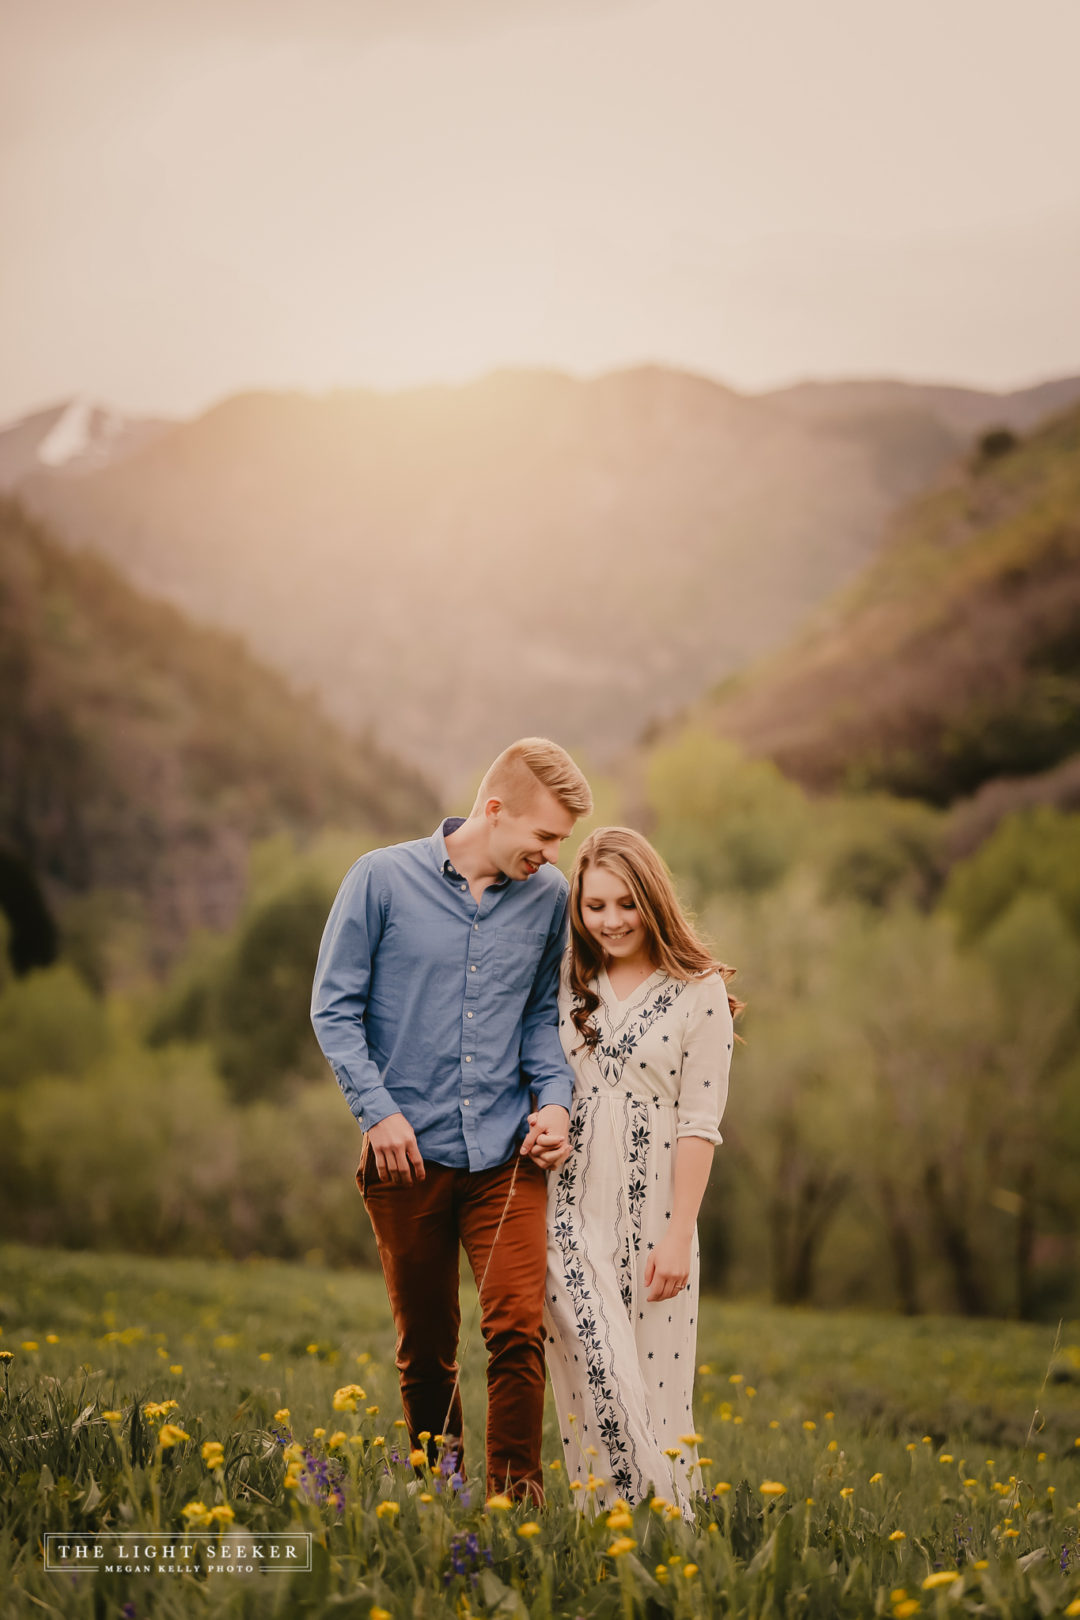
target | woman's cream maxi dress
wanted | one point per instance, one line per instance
(622, 1369)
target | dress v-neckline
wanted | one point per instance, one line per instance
(624, 1001)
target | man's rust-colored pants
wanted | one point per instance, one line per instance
(420, 1228)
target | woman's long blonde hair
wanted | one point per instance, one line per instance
(670, 937)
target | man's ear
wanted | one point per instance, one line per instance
(492, 807)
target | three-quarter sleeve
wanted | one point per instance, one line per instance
(707, 1042)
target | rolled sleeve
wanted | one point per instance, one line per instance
(707, 1046)
(339, 994)
(543, 1063)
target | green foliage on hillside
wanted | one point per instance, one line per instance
(955, 660)
(142, 754)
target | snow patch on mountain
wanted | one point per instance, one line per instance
(83, 431)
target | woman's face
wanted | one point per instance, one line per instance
(610, 915)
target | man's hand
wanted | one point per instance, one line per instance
(548, 1143)
(397, 1157)
(667, 1269)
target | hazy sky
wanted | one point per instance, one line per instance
(199, 196)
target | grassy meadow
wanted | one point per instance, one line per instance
(852, 1464)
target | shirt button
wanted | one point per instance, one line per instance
(468, 1060)
(464, 886)
(468, 1015)
(472, 969)
(475, 927)
(465, 1100)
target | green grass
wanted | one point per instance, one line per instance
(836, 1400)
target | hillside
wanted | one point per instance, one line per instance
(954, 662)
(529, 553)
(140, 754)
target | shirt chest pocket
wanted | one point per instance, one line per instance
(515, 957)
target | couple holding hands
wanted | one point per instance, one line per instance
(459, 975)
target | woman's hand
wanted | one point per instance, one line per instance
(667, 1270)
(548, 1143)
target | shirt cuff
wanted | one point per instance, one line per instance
(554, 1091)
(375, 1105)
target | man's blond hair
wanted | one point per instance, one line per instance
(514, 776)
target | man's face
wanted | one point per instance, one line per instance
(522, 842)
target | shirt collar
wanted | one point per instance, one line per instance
(442, 860)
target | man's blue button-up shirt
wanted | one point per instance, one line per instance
(431, 1005)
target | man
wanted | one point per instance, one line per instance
(435, 1002)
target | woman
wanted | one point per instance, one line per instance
(646, 1024)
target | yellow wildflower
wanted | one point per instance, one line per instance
(556, 1465)
(213, 1453)
(705, 1369)
(338, 1438)
(621, 1544)
(399, 1423)
(264, 1355)
(848, 1490)
(575, 1484)
(375, 1613)
(620, 1520)
(418, 1457)
(6, 1356)
(911, 1446)
(170, 1434)
(773, 1423)
(112, 1417)
(372, 1411)
(689, 1571)
(771, 1487)
(736, 1378)
(659, 1503)
(52, 1338)
(282, 1415)
(528, 1530)
(224, 1515)
(197, 1515)
(498, 1503)
(1074, 1607)
(318, 1433)
(941, 1577)
(751, 1391)
(346, 1398)
(984, 1563)
(898, 1535)
(946, 1457)
(425, 1496)
(672, 1451)
(29, 1344)
(908, 1607)
(721, 1489)
(809, 1425)
(833, 1445)
(876, 1479)
(387, 1510)
(691, 1439)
